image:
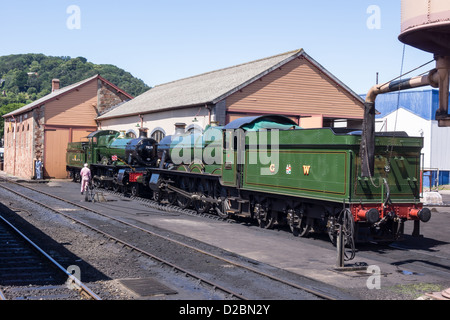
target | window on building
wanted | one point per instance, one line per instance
(158, 135)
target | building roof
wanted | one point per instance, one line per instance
(57, 93)
(209, 88)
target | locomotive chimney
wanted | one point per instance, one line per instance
(180, 128)
(143, 133)
(55, 85)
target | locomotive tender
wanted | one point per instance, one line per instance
(268, 169)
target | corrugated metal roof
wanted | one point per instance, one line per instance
(207, 88)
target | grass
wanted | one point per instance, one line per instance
(416, 290)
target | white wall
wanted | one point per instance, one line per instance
(164, 121)
(440, 147)
(413, 125)
(436, 140)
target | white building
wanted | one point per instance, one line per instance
(415, 113)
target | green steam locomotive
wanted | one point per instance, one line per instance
(268, 169)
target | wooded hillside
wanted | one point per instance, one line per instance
(25, 78)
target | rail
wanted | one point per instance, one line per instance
(310, 290)
(71, 279)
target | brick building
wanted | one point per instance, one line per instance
(42, 129)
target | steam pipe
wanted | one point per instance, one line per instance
(434, 79)
(431, 79)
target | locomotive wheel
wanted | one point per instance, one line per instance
(200, 205)
(220, 194)
(135, 190)
(171, 197)
(157, 196)
(98, 183)
(182, 201)
(76, 177)
(264, 216)
(115, 184)
(222, 208)
(116, 187)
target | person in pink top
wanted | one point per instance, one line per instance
(85, 177)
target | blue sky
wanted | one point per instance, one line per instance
(162, 41)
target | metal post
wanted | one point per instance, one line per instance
(340, 249)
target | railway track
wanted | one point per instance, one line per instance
(34, 274)
(218, 272)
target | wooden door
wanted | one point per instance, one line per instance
(55, 153)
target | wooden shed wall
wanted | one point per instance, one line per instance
(76, 108)
(68, 119)
(298, 88)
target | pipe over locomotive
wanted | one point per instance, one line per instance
(268, 169)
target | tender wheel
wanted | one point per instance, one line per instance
(298, 223)
(264, 216)
(304, 227)
(293, 221)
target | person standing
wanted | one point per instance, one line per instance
(85, 177)
(38, 168)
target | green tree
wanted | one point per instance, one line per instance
(27, 77)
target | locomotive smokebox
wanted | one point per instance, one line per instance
(141, 151)
(426, 25)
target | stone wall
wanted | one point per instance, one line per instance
(108, 97)
(20, 144)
